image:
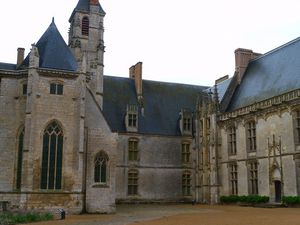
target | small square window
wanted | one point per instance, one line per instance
(56, 89)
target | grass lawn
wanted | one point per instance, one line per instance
(9, 218)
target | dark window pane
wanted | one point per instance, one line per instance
(53, 89)
(60, 89)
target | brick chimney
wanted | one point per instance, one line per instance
(94, 2)
(20, 56)
(135, 72)
(242, 59)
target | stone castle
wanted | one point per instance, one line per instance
(73, 138)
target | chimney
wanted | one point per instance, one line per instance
(135, 72)
(20, 57)
(242, 59)
(94, 2)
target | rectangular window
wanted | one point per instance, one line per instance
(298, 127)
(56, 89)
(187, 125)
(232, 141)
(251, 136)
(186, 184)
(24, 89)
(132, 182)
(233, 178)
(132, 150)
(132, 120)
(253, 178)
(185, 152)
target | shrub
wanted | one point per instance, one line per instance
(253, 199)
(291, 200)
(14, 218)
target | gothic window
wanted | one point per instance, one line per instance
(251, 136)
(253, 178)
(186, 122)
(297, 127)
(185, 152)
(131, 119)
(100, 170)
(133, 182)
(56, 89)
(232, 140)
(51, 175)
(233, 178)
(85, 26)
(133, 149)
(186, 183)
(20, 159)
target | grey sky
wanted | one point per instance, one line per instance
(190, 41)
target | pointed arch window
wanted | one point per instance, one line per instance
(85, 24)
(100, 171)
(20, 159)
(51, 175)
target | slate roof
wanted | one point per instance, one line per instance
(221, 88)
(84, 5)
(54, 52)
(269, 75)
(163, 103)
(7, 66)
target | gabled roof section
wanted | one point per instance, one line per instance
(54, 52)
(162, 104)
(84, 6)
(221, 88)
(7, 66)
(272, 74)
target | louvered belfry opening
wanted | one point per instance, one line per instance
(85, 26)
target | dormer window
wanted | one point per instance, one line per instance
(85, 24)
(186, 122)
(56, 89)
(131, 119)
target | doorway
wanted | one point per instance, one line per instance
(277, 184)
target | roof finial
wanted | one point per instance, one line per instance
(53, 19)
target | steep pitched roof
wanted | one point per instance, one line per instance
(221, 88)
(84, 6)
(269, 75)
(54, 52)
(162, 104)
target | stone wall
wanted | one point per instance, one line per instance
(159, 168)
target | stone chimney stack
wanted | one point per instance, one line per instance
(94, 2)
(135, 72)
(242, 59)
(20, 56)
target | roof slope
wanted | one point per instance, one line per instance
(272, 74)
(162, 104)
(84, 5)
(54, 52)
(7, 66)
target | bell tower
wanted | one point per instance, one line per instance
(86, 42)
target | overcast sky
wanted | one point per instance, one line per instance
(186, 41)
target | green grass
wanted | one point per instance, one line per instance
(14, 218)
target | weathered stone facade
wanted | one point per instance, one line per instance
(73, 138)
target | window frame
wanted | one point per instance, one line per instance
(101, 162)
(253, 177)
(185, 152)
(133, 151)
(20, 151)
(56, 88)
(53, 135)
(231, 140)
(233, 178)
(251, 140)
(85, 26)
(186, 183)
(132, 182)
(296, 119)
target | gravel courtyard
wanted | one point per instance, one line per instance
(186, 215)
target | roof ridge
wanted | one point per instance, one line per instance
(276, 49)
